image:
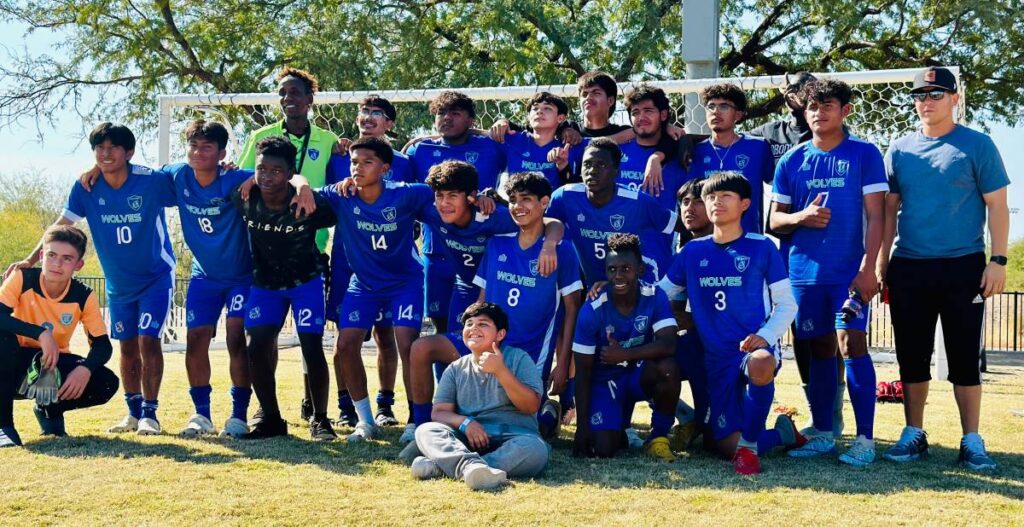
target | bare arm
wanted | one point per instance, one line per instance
(994, 279)
(892, 207)
(866, 281)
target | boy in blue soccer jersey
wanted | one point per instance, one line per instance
(287, 274)
(454, 115)
(375, 119)
(828, 193)
(509, 275)
(624, 348)
(727, 150)
(541, 150)
(125, 211)
(741, 303)
(649, 111)
(376, 228)
(464, 230)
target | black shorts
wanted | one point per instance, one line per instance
(921, 291)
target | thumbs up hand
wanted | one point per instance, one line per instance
(815, 215)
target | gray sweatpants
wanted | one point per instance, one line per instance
(518, 453)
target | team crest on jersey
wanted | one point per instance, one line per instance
(722, 422)
(625, 158)
(353, 316)
(742, 160)
(581, 217)
(808, 325)
(471, 157)
(187, 193)
(707, 159)
(481, 239)
(191, 316)
(216, 202)
(356, 211)
(443, 230)
(533, 267)
(313, 154)
(704, 262)
(640, 323)
(502, 258)
(596, 419)
(526, 153)
(254, 313)
(389, 213)
(66, 318)
(135, 202)
(843, 167)
(741, 262)
(102, 201)
(437, 153)
(618, 220)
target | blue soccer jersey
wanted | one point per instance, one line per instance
(751, 156)
(629, 211)
(510, 278)
(842, 176)
(523, 154)
(465, 245)
(651, 314)
(727, 287)
(378, 236)
(212, 228)
(634, 166)
(129, 229)
(340, 167)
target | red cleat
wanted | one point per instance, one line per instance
(746, 462)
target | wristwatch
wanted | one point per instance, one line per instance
(1001, 260)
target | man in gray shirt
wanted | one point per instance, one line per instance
(484, 421)
(943, 180)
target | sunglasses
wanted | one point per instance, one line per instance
(936, 95)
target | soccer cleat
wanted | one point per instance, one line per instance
(148, 427)
(234, 427)
(256, 417)
(364, 431)
(913, 444)
(973, 455)
(658, 447)
(860, 454)
(385, 416)
(482, 477)
(425, 468)
(198, 425)
(306, 410)
(266, 429)
(746, 462)
(50, 425)
(633, 439)
(791, 437)
(9, 437)
(408, 435)
(320, 430)
(818, 445)
(348, 417)
(552, 409)
(683, 435)
(128, 424)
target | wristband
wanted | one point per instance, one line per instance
(465, 424)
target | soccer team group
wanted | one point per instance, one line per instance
(613, 264)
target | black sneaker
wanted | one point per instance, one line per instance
(348, 417)
(267, 428)
(51, 423)
(385, 416)
(9, 437)
(320, 429)
(256, 418)
(306, 410)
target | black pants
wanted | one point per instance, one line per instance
(14, 362)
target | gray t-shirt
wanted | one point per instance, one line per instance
(479, 395)
(941, 181)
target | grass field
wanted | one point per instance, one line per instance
(97, 478)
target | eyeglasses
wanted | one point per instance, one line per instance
(714, 107)
(372, 113)
(936, 95)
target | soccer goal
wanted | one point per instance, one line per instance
(882, 111)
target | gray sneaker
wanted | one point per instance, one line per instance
(973, 455)
(425, 468)
(913, 444)
(482, 477)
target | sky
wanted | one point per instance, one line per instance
(62, 153)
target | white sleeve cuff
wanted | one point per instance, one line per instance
(671, 227)
(571, 288)
(782, 198)
(662, 324)
(583, 349)
(75, 218)
(875, 187)
(480, 282)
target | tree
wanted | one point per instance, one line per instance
(235, 45)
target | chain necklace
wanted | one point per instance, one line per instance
(722, 158)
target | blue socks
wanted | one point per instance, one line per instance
(860, 380)
(568, 398)
(421, 413)
(345, 401)
(134, 402)
(385, 398)
(240, 402)
(757, 402)
(821, 392)
(201, 399)
(661, 424)
(149, 409)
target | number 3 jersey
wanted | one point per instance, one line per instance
(129, 229)
(729, 288)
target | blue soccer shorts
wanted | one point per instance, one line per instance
(206, 298)
(268, 307)
(362, 309)
(439, 282)
(819, 310)
(611, 394)
(727, 385)
(145, 315)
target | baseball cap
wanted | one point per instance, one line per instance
(934, 77)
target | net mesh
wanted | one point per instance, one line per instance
(882, 111)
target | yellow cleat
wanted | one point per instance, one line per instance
(658, 447)
(683, 435)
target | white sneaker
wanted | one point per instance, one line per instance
(148, 427)
(425, 468)
(482, 477)
(408, 435)
(128, 424)
(364, 431)
(234, 427)
(198, 425)
(633, 439)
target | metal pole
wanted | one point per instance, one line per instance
(700, 52)
(164, 138)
